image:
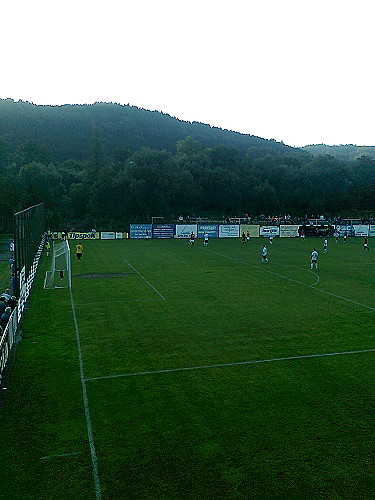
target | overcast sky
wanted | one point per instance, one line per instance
(297, 71)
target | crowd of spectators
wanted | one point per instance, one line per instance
(276, 220)
(7, 304)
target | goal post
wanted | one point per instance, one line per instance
(59, 275)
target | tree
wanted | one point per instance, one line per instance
(96, 155)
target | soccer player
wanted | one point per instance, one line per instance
(314, 259)
(248, 237)
(325, 245)
(79, 250)
(365, 244)
(264, 254)
(244, 241)
(271, 238)
(192, 239)
(205, 241)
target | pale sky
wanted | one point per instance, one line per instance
(297, 71)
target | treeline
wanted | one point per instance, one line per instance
(66, 130)
(111, 188)
(347, 152)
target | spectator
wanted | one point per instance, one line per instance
(12, 302)
(5, 317)
(3, 305)
(6, 294)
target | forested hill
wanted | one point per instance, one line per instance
(65, 130)
(347, 152)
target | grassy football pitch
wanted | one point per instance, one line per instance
(178, 372)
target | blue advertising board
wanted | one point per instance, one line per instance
(341, 229)
(163, 230)
(211, 229)
(139, 230)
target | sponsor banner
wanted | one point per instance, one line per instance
(251, 228)
(120, 236)
(163, 230)
(106, 235)
(361, 229)
(140, 230)
(371, 231)
(289, 231)
(184, 230)
(340, 229)
(268, 230)
(229, 231)
(211, 229)
(73, 235)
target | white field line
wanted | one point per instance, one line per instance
(225, 365)
(61, 455)
(262, 268)
(90, 435)
(117, 302)
(146, 280)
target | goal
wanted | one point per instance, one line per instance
(59, 275)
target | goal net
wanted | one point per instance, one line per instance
(59, 275)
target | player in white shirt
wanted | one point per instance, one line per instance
(205, 241)
(325, 245)
(314, 259)
(264, 254)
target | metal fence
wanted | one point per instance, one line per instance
(29, 226)
(28, 242)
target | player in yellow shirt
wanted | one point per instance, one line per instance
(79, 251)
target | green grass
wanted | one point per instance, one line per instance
(259, 427)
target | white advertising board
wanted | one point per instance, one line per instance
(361, 229)
(268, 230)
(185, 230)
(289, 231)
(229, 231)
(107, 235)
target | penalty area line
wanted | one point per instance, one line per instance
(226, 365)
(313, 287)
(146, 280)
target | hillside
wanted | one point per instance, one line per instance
(65, 130)
(347, 152)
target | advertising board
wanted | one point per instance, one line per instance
(253, 229)
(340, 229)
(361, 229)
(140, 230)
(107, 235)
(163, 230)
(229, 231)
(371, 231)
(76, 235)
(289, 231)
(184, 230)
(268, 230)
(211, 229)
